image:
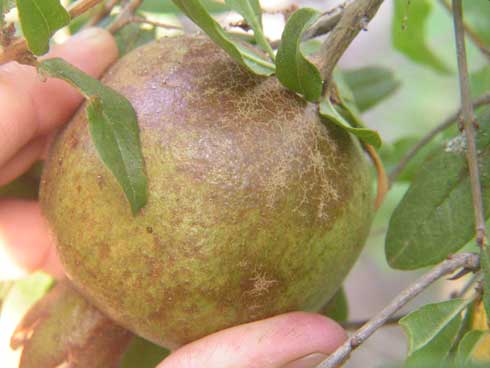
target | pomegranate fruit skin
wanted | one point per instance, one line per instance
(256, 207)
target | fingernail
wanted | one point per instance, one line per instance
(309, 361)
(92, 35)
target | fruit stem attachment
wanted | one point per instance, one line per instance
(17, 50)
(354, 18)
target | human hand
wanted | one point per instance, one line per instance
(30, 112)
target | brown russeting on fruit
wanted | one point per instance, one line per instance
(255, 206)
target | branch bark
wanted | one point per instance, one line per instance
(468, 124)
(355, 18)
(18, 51)
(480, 101)
(125, 16)
(462, 260)
(355, 325)
(82, 6)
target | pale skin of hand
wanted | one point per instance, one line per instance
(30, 113)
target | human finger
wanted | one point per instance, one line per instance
(293, 340)
(30, 108)
(25, 244)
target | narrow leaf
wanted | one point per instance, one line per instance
(329, 112)
(435, 217)
(294, 70)
(485, 267)
(479, 321)
(168, 7)
(195, 10)
(250, 10)
(132, 36)
(371, 85)
(39, 20)
(468, 347)
(432, 330)
(410, 34)
(113, 126)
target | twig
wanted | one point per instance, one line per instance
(81, 7)
(354, 19)
(468, 123)
(382, 179)
(136, 19)
(485, 50)
(478, 102)
(125, 16)
(354, 325)
(455, 262)
(18, 50)
(105, 11)
(467, 286)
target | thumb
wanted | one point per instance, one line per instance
(292, 340)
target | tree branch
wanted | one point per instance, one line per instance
(136, 19)
(18, 51)
(81, 7)
(382, 178)
(355, 18)
(355, 325)
(453, 263)
(105, 11)
(478, 102)
(468, 123)
(125, 16)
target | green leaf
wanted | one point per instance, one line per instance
(432, 330)
(391, 153)
(480, 81)
(293, 69)
(485, 267)
(242, 54)
(132, 36)
(467, 347)
(39, 20)
(476, 16)
(337, 308)
(113, 126)
(370, 85)
(329, 112)
(311, 46)
(435, 217)
(143, 354)
(250, 10)
(168, 7)
(409, 33)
